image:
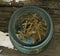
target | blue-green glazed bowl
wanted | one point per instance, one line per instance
(26, 48)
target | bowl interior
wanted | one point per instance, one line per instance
(29, 18)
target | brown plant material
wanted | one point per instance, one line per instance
(34, 26)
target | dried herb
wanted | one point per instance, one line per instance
(33, 25)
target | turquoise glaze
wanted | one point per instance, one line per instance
(22, 46)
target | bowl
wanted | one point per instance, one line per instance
(26, 46)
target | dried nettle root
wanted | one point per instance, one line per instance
(34, 27)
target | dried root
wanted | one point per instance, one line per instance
(34, 27)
